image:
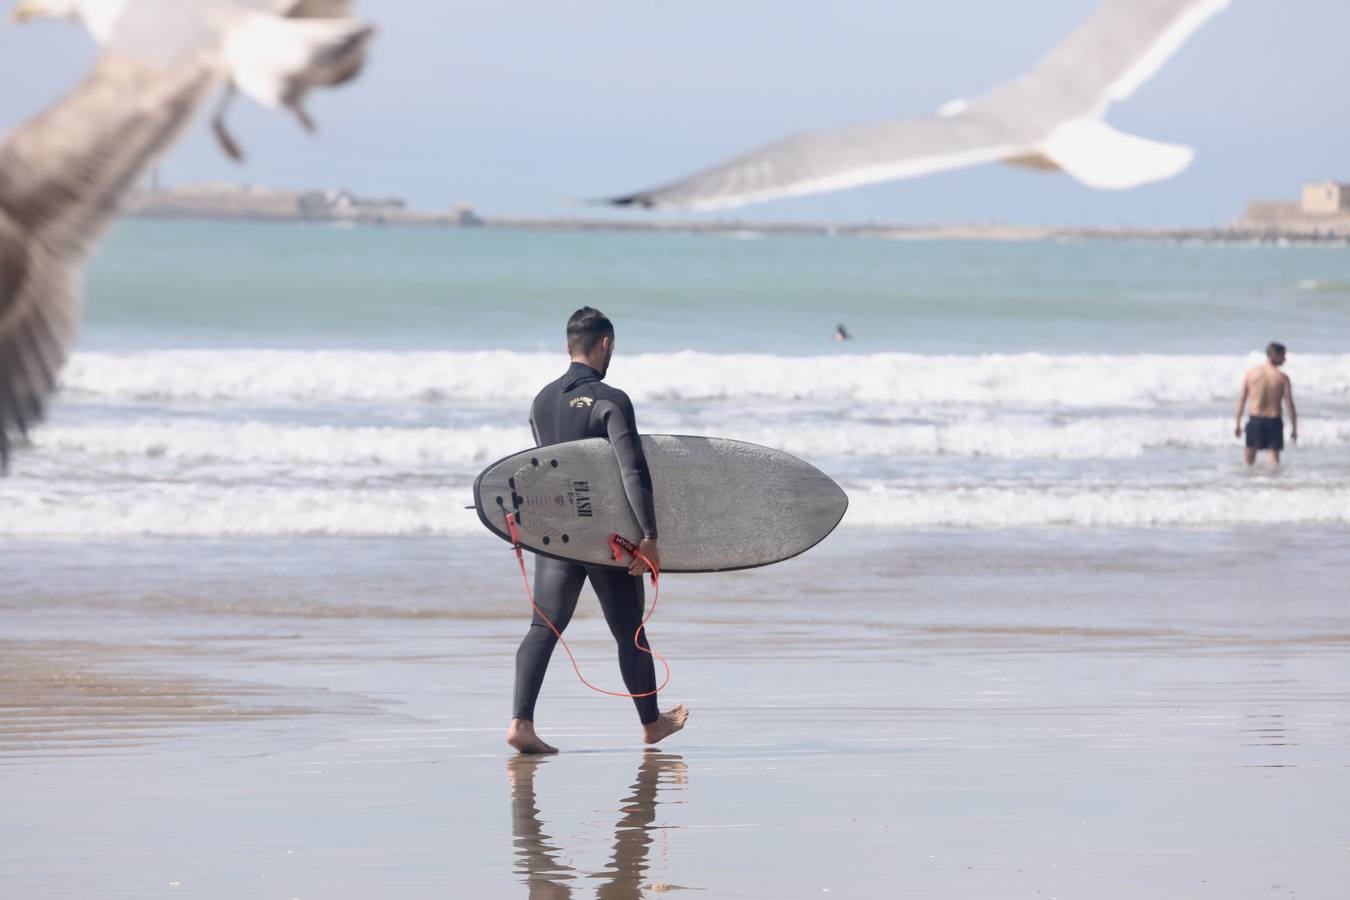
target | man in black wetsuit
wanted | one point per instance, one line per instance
(579, 405)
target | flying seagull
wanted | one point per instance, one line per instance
(1049, 118)
(259, 41)
(64, 173)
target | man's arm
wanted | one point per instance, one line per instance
(621, 428)
(1293, 413)
(1242, 402)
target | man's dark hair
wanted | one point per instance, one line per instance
(585, 329)
(1273, 349)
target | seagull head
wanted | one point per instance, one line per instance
(96, 15)
(46, 9)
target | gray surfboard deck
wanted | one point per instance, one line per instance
(720, 504)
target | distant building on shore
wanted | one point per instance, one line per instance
(333, 206)
(462, 214)
(1326, 198)
(1323, 210)
(232, 201)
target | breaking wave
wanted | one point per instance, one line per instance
(190, 441)
(215, 510)
(291, 377)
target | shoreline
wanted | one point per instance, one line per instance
(311, 208)
(212, 729)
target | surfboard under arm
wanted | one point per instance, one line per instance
(720, 504)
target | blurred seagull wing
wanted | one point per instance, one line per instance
(1117, 48)
(1107, 57)
(62, 177)
(837, 158)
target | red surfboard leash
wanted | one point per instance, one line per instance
(618, 544)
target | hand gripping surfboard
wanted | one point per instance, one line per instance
(720, 504)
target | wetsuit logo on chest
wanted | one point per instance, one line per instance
(580, 495)
(580, 402)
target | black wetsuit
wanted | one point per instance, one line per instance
(579, 405)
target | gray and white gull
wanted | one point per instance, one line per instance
(1049, 118)
(64, 173)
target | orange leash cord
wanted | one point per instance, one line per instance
(617, 543)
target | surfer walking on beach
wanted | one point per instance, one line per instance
(580, 405)
(1265, 390)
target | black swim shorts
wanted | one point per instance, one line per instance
(1265, 433)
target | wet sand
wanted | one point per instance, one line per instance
(957, 715)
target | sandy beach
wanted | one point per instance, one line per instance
(1072, 637)
(1136, 713)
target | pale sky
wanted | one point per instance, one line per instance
(516, 107)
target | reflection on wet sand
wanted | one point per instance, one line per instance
(537, 856)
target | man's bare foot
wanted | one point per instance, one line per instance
(664, 727)
(521, 736)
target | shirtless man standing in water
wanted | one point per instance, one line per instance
(1268, 388)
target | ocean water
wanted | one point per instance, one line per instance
(1062, 640)
(269, 380)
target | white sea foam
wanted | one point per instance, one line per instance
(196, 441)
(222, 443)
(1002, 506)
(1113, 437)
(212, 510)
(287, 377)
(247, 442)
